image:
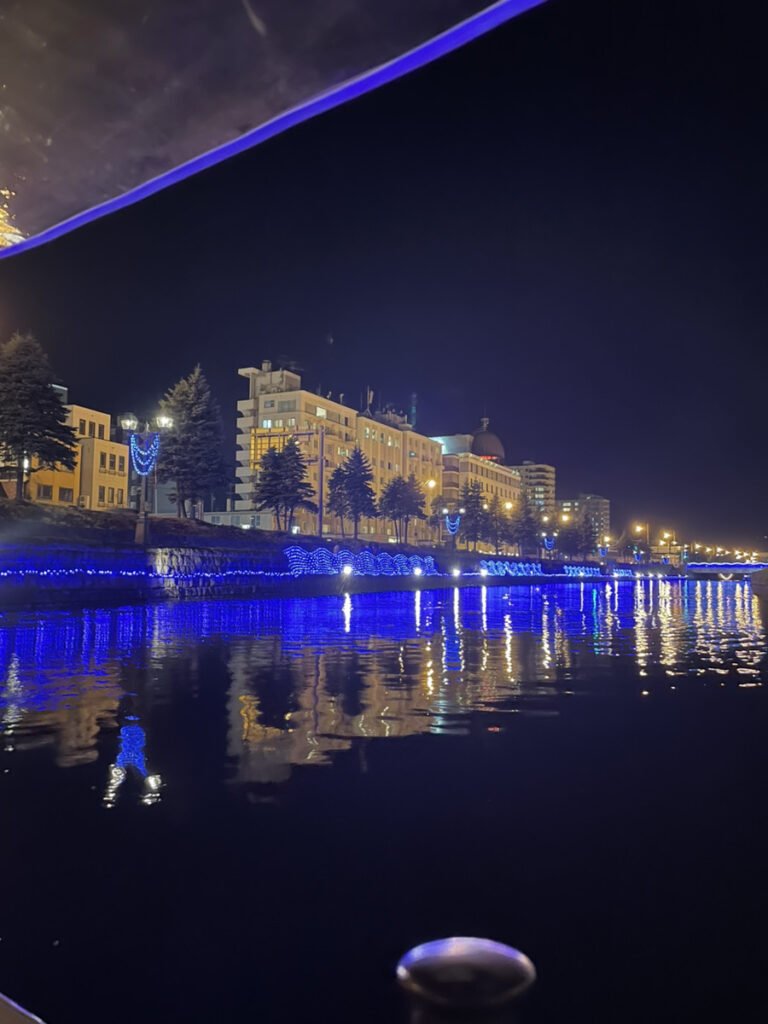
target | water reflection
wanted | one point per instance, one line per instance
(297, 681)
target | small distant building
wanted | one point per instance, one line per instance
(100, 477)
(478, 458)
(538, 486)
(592, 508)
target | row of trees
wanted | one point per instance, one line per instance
(282, 488)
(490, 523)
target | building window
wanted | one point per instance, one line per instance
(321, 413)
(67, 495)
(121, 463)
(111, 496)
(286, 406)
(101, 431)
(112, 462)
(102, 492)
(91, 429)
(120, 495)
(81, 428)
(269, 403)
(266, 424)
(102, 460)
(292, 421)
(45, 492)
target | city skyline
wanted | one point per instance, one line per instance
(536, 228)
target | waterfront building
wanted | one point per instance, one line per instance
(591, 508)
(538, 486)
(99, 479)
(478, 458)
(328, 430)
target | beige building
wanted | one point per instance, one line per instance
(277, 407)
(478, 458)
(100, 477)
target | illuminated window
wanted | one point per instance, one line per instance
(269, 404)
(321, 413)
(266, 424)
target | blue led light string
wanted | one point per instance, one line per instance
(144, 456)
(452, 524)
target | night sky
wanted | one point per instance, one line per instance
(560, 226)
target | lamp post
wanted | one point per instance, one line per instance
(144, 449)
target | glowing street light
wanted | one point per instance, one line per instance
(431, 484)
(164, 421)
(508, 505)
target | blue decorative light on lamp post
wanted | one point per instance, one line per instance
(144, 448)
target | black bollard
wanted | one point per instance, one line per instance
(464, 980)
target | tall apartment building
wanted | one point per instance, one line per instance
(478, 458)
(100, 477)
(590, 507)
(538, 486)
(277, 408)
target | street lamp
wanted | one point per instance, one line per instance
(144, 447)
(431, 484)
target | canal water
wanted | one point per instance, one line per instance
(249, 810)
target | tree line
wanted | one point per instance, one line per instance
(282, 488)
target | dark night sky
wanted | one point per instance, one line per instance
(561, 225)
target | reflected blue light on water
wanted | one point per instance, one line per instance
(315, 673)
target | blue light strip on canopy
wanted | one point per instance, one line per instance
(440, 45)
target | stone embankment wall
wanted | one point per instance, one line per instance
(67, 575)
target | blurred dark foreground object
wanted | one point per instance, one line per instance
(458, 979)
(464, 979)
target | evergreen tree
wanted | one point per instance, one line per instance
(526, 529)
(413, 504)
(496, 524)
(268, 492)
(473, 516)
(361, 499)
(296, 491)
(569, 540)
(587, 536)
(191, 452)
(32, 418)
(393, 501)
(338, 504)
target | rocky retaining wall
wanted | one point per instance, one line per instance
(69, 575)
